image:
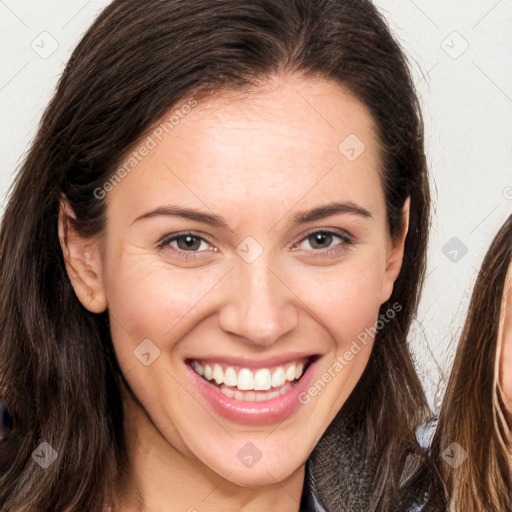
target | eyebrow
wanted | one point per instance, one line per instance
(329, 209)
(303, 217)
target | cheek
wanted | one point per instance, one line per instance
(149, 299)
(343, 298)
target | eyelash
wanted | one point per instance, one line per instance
(167, 239)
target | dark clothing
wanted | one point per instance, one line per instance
(346, 483)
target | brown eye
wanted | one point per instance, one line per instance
(188, 242)
(185, 245)
(326, 243)
(320, 238)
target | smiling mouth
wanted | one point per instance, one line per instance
(252, 384)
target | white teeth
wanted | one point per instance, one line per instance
(252, 396)
(250, 380)
(218, 374)
(230, 378)
(227, 391)
(284, 389)
(262, 380)
(245, 380)
(278, 378)
(290, 373)
(198, 368)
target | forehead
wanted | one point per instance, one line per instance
(298, 139)
(293, 120)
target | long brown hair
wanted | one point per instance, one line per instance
(136, 62)
(472, 414)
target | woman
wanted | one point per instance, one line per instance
(478, 401)
(174, 334)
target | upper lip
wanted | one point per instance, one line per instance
(253, 362)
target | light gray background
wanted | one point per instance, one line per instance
(460, 54)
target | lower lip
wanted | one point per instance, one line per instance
(253, 413)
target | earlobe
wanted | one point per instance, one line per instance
(395, 255)
(83, 262)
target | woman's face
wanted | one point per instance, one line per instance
(274, 270)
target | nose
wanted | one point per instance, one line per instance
(260, 308)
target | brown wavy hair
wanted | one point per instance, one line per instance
(136, 62)
(473, 412)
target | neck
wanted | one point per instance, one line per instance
(161, 476)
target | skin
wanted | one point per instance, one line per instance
(505, 342)
(256, 160)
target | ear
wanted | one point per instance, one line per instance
(395, 254)
(82, 257)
